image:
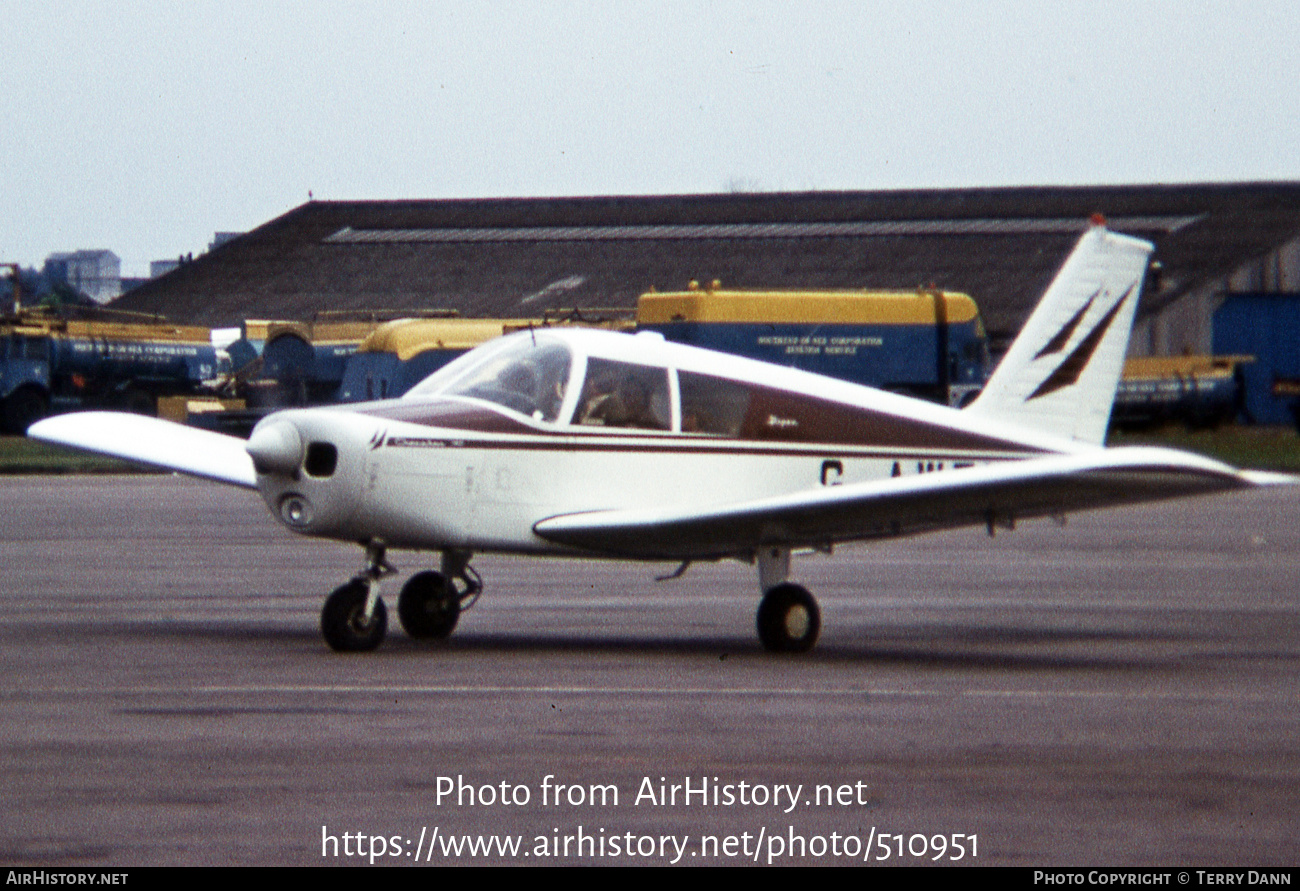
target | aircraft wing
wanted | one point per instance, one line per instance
(995, 494)
(152, 441)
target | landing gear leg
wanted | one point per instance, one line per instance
(788, 618)
(431, 602)
(354, 618)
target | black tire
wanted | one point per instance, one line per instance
(428, 606)
(22, 408)
(788, 620)
(342, 624)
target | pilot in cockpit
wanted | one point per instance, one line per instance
(616, 401)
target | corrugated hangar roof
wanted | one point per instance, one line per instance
(518, 257)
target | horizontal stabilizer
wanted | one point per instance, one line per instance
(152, 441)
(997, 494)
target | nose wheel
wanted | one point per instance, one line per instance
(345, 623)
(354, 619)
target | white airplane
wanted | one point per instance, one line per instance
(585, 443)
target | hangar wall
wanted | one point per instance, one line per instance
(1187, 325)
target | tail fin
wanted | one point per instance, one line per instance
(1061, 373)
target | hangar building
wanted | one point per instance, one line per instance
(519, 257)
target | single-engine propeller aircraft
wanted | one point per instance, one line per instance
(591, 443)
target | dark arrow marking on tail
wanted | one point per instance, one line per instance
(1068, 372)
(1057, 343)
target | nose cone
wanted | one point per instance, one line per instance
(311, 464)
(275, 447)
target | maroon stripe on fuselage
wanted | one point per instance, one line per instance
(778, 416)
(678, 445)
(774, 417)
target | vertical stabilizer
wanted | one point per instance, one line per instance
(1061, 373)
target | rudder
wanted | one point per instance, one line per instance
(1061, 372)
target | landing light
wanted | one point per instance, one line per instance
(296, 511)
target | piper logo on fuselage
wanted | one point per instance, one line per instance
(415, 442)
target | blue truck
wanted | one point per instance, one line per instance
(400, 354)
(1197, 391)
(927, 343)
(53, 361)
(924, 343)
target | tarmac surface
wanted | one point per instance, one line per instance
(1121, 691)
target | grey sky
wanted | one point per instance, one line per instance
(145, 127)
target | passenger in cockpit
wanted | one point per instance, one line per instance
(624, 404)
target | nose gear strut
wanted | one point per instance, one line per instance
(354, 618)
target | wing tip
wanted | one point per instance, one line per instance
(153, 442)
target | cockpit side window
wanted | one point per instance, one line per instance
(712, 404)
(620, 394)
(530, 379)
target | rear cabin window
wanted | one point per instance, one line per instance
(712, 404)
(620, 394)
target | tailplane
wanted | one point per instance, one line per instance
(1061, 373)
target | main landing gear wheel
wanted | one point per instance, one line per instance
(343, 620)
(428, 606)
(788, 619)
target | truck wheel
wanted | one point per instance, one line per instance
(22, 408)
(138, 402)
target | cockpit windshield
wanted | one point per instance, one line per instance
(529, 377)
(531, 374)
